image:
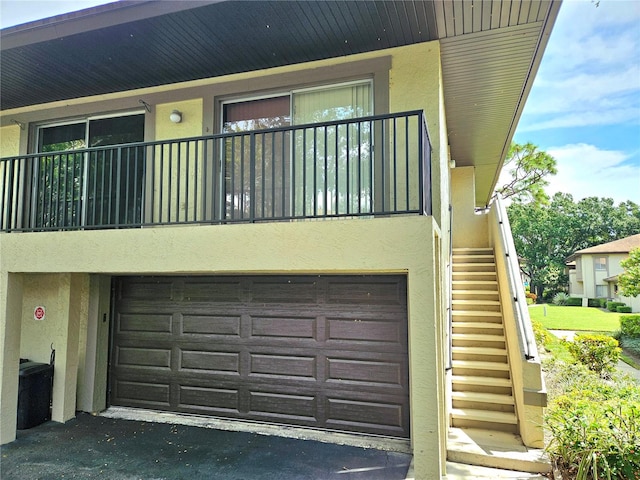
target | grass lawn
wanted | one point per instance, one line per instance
(590, 319)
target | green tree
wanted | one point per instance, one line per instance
(546, 234)
(527, 167)
(629, 280)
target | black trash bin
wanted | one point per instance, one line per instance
(34, 394)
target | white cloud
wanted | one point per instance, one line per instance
(590, 74)
(587, 171)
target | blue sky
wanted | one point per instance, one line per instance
(584, 107)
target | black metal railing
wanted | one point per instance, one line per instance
(377, 165)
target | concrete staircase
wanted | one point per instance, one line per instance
(482, 395)
(484, 426)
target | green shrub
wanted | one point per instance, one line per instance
(599, 353)
(593, 302)
(541, 333)
(560, 298)
(631, 344)
(630, 325)
(623, 309)
(611, 306)
(594, 424)
(603, 302)
(574, 302)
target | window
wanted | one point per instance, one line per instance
(602, 291)
(329, 169)
(601, 263)
(102, 187)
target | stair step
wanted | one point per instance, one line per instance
(457, 291)
(488, 283)
(482, 381)
(480, 351)
(476, 313)
(483, 305)
(475, 264)
(483, 397)
(478, 337)
(473, 256)
(480, 365)
(478, 325)
(472, 250)
(458, 273)
(477, 302)
(484, 415)
(491, 448)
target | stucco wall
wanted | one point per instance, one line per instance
(58, 268)
(64, 297)
(9, 140)
(469, 230)
(400, 245)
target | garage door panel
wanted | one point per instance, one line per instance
(283, 327)
(359, 415)
(282, 406)
(367, 291)
(214, 362)
(315, 351)
(134, 393)
(362, 330)
(146, 288)
(145, 323)
(143, 357)
(282, 366)
(209, 400)
(285, 290)
(213, 290)
(362, 373)
(211, 325)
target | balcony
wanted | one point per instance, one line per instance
(363, 167)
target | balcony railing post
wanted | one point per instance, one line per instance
(252, 177)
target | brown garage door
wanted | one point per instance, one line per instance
(327, 352)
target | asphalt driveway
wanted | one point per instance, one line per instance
(94, 447)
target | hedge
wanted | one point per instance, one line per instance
(594, 302)
(574, 302)
(630, 325)
(623, 309)
(612, 306)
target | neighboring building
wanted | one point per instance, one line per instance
(593, 271)
(189, 261)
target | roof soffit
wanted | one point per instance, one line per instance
(490, 53)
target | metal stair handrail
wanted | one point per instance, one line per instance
(521, 313)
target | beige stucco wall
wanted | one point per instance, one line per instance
(9, 140)
(71, 270)
(10, 314)
(470, 230)
(401, 245)
(576, 288)
(62, 295)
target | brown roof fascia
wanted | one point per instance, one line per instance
(623, 245)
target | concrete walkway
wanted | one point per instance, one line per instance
(628, 369)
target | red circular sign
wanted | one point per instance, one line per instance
(39, 313)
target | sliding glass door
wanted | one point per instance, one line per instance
(321, 170)
(333, 169)
(75, 187)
